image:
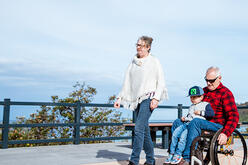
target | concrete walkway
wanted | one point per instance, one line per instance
(83, 154)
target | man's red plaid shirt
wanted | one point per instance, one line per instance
(224, 106)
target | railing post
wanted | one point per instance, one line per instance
(76, 133)
(5, 132)
(180, 111)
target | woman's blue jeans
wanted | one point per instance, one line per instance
(142, 137)
(178, 141)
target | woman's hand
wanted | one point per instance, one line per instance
(117, 104)
(153, 104)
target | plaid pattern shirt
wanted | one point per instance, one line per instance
(224, 106)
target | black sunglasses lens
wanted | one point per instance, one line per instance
(210, 81)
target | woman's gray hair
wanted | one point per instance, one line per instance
(215, 69)
(147, 40)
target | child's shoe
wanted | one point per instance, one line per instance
(176, 159)
(168, 159)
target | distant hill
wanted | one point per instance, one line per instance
(243, 113)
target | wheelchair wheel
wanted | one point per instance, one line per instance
(199, 149)
(232, 153)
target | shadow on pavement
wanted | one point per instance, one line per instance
(122, 158)
(118, 156)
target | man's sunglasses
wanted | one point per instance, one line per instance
(211, 80)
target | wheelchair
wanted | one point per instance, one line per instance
(205, 149)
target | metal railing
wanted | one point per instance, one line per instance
(76, 139)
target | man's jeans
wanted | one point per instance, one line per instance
(142, 137)
(194, 130)
(180, 133)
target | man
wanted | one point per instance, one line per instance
(226, 113)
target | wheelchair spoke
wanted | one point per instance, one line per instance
(224, 160)
(236, 160)
(236, 148)
(221, 160)
(221, 156)
(237, 156)
(229, 160)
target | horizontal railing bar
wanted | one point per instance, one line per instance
(242, 107)
(171, 107)
(97, 105)
(42, 103)
(105, 138)
(112, 105)
(62, 124)
(42, 125)
(102, 124)
(40, 141)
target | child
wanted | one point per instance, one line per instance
(198, 109)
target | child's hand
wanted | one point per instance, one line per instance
(183, 119)
(197, 112)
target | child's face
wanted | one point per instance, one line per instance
(196, 99)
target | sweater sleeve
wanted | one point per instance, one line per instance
(125, 85)
(161, 90)
(209, 112)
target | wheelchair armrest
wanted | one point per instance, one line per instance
(207, 133)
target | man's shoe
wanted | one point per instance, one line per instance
(131, 163)
(183, 162)
(150, 163)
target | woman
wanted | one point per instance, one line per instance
(143, 88)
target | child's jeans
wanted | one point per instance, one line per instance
(178, 142)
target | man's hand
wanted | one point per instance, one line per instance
(154, 104)
(222, 139)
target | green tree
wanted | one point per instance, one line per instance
(65, 114)
(243, 113)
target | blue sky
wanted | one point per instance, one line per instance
(46, 46)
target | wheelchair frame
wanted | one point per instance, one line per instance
(205, 149)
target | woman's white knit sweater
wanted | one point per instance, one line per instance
(143, 76)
